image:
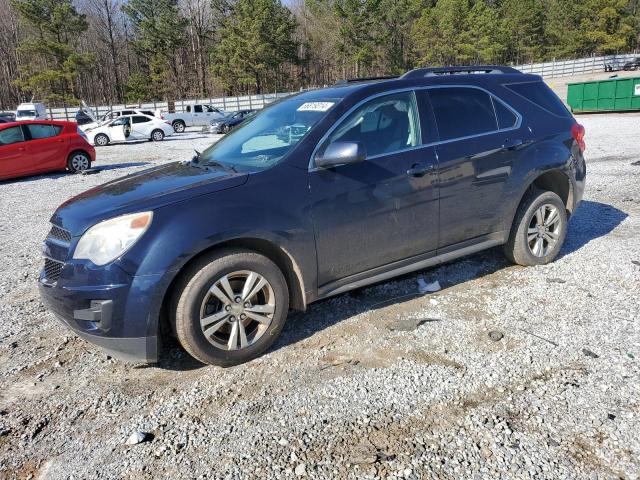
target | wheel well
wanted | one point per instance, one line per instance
(78, 150)
(177, 121)
(282, 259)
(557, 182)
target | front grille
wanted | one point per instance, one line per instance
(52, 269)
(59, 234)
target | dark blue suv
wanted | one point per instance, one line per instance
(321, 193)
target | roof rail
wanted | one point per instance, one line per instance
(363, 79)
(432, 71)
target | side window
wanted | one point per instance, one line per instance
(37, 131)
(140, 119)
(128, 112)
(197, 108)
(383, 125)
(120, 121)
(541, 95)
(148, 112)
(188, 108)
(461, 112)
(11, 135)
(506, 118)
(211, 109)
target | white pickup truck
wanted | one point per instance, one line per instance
(194, 115)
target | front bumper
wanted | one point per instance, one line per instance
(108, 308)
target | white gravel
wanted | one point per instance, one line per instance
(379, 383)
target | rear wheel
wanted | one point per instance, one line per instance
(157, 135)
(78, 161)
(538, 230)
(230, 307)
(178, 126)
(101, 140)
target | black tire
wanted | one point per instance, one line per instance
(101, 140)
(178, 126)
(192, 292)
(78, 161)
(520, 249)
(157, 135)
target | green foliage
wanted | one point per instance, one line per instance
(139, 87)
(255, 40)
(54, 64)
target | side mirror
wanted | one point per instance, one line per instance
(341, 153)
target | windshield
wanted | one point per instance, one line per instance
(264, 139)
(26, 113)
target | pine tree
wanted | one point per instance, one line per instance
(54, 63)
(160, 30)
(255, 41)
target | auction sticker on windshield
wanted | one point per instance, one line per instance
(315, 106)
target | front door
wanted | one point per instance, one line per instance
(120, 129)
(384, 209)
(479, 141)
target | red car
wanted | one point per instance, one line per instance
(38, 146)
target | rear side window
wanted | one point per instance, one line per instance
(11, 135)
(541, 95)
(506, 118)
(140, 119)
(197, 109)
(37, 131)
(462, 112)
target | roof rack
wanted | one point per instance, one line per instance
(432, 71)
(363, 79)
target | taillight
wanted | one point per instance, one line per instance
(577, 132)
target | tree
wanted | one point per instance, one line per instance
(608, 27)
(254, 42)
(524, 23)
(54, 63)
(159, 32)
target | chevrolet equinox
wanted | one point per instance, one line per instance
(318, 194)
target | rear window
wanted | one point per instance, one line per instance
(540, 94)
(462, 112)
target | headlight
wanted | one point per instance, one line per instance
(106, 241)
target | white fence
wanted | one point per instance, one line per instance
(567, 68)
(231, 104)
(559, 68)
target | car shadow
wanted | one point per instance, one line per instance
(61, 174)
(116, 166)
(591, 221)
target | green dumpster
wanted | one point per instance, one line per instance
(613, 95)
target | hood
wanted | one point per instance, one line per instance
(146, 190)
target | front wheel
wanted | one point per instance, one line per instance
(538, 231)
(157, 135)
(78, 161)
(101, 140)
(230, 307)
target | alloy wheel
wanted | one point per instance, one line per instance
(237, 310)
(544, 230)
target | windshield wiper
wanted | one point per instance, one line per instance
(196, 162)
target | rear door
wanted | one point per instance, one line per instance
(46, 147)
(140, 127)
(12, 152)
(479, 138)
(199, 116)
(381, 210)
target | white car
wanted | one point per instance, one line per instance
(31, 111)
(110, 115)
(129, 128)
(194, 115)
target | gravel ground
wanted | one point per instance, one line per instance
(507, 372)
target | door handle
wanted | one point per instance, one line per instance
(511, 144)
(419, 170)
